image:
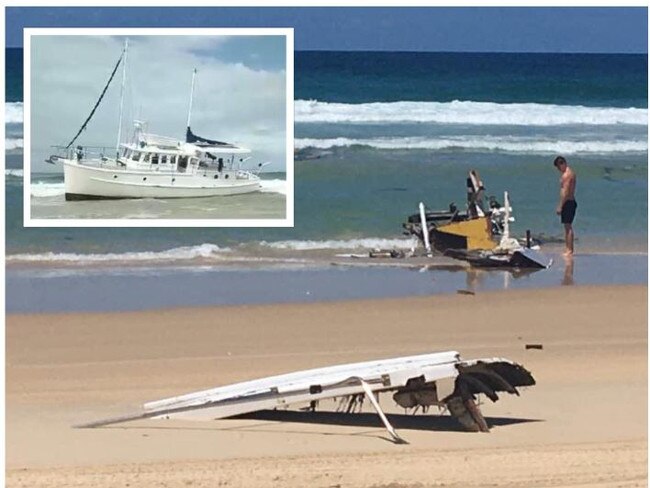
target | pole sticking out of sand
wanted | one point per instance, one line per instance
(382, 416)
(425, 229)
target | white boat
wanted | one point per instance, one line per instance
(153, 166)
(156, 167)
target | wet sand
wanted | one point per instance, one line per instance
(585, 423)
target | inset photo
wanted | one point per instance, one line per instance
(158, 127)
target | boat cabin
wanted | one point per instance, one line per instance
(157, 153)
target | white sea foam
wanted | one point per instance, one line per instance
(14, 113)
(482, 143)
(12, 144)
(466, 112)
(42, 189)
(204, 251)
(15, 173)
(365, 243)
(274, 186)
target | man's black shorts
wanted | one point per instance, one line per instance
(568, 211)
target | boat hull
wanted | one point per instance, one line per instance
(96, 183)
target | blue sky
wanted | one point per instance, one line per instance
(518, 29)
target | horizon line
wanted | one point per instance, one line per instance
(465, 52)
(634, 53)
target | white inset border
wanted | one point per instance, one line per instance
(288, 221)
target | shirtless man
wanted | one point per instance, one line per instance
(568, 205)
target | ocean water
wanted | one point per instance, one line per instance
(48, 202)
(376, 133)
(42, 290)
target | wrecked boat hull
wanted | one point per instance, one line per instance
(523, 258)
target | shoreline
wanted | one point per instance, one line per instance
(106, 289)
(256, 255)
(64, 369)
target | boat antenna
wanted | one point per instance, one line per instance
(92, 112)
(189, 113)
(119, 125)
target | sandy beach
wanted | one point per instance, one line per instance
(585, 423)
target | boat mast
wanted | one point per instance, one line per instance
(119, 126)
(189, 113)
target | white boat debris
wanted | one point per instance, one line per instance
(439, 379)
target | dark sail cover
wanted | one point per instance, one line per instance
(202, 141)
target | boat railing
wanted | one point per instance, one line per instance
(80, 153)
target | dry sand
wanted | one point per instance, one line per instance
(585, 423)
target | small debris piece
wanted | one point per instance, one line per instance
(386, 253)
(534, 346)
(465, 292)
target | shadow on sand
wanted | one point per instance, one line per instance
(366, 420)
(438, 423)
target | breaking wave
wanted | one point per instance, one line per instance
(14, 113)
(14, 173)
(274, 186)
(41, 189)
(12, 144)
(465, 112)
(203, 251)
(504, 144)
(365, 243)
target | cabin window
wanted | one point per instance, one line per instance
(135, 156)
(154, 159)
(163, 159)
(182, 162)
(146, 157)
